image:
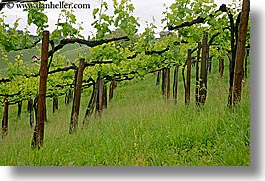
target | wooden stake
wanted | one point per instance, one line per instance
(39, 128)
(221, 67)
(111, 90)
(187, 92)
(167, 83)
(5, 118)
(197, 96)
(240, 53)
(175, 84)
(203, 85)
(99, 106)
(77, 97)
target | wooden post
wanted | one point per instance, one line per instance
(207, 62)
(39, 128)
(45, 113)
(77, 97)
(158, 77)
(99, 106)
(5, 118)
(197, 97)
(105, 96)
(35, 107)
(30, 103)
(246, 64)
(175, 84)
(55, 104)
(163, 85)
(92, 102)
(183, 79)
(221, 67)
(187, 92)
(31, 112)
(167, 83)
(210, 64)
(232, 58)
(68, 96)
(111, 89)
(240, 53)
(203, 86)
(19, 109)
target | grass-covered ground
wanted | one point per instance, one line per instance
(139, 128)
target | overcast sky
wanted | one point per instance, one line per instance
(144, 9)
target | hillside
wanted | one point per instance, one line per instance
(70, 51)
(139, 128)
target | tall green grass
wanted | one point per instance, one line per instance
(139, 128)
